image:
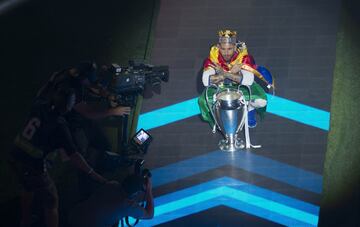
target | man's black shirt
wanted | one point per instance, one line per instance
(44, 131)
(76, 121)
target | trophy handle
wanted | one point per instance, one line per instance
(211, 107)
(248, 88)
(243, 119)
(245, 108)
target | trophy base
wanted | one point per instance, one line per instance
(225, 145)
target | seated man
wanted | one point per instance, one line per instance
(228, 66)
(113, 202)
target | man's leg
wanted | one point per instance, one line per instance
(255, 104)
(51, 217)
(51, 204)
(22, 170)
(204, 108)
(258, 103)
(26, 205)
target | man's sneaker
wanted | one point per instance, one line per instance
(252, 119)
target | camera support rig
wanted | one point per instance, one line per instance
(125, 86)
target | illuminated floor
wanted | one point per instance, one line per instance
(279, 184)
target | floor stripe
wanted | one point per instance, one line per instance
(276, 105)
(245, 160)
(298, 112)
(238, 185)
(169, 114)
(237, 195)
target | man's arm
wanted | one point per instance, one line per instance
(216, 78)
(207, 73)
(211, 76)
(79, 162)
(234, 77)
(93, 112)
(235, 73)
(63, 139)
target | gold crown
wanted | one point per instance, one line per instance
(227, 36)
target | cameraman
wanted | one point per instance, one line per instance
(114, 202)
(46, 131)
(82, 78)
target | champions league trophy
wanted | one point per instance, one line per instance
(229, 110)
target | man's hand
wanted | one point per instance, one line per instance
(120, 111)
(235, 69)
(234, 77)
(216, 79)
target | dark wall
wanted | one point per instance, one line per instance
(341, 188)
(40, 37)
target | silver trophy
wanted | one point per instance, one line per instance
(229, 110)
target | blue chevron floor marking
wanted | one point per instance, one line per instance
(239, 185)
(224, 201)
(248, 161)
(276, 105)
(169, 114)
(237, 195)
(298, 112)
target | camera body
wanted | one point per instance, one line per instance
(128, 82)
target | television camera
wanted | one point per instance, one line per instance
(122, 86)
(124, 83)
